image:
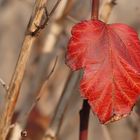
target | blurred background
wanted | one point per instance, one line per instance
(48, 58)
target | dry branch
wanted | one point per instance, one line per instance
(4, 85)
(39, 83)
(15, 84)
(54, 127)
(43, 83)
(107, 9)
(106, 132)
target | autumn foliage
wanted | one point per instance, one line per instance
(109, 54)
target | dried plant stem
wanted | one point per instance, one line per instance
(40, 82)
(19, 127)
(16, 81)
(107, 9)
(44, 82)
(14, 88)
(84, 118)
(4, 85)
(15, 84)
(54, 8)
(67, 9)
(54, 127)
(106, 133)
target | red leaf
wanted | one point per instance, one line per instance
(110, 57)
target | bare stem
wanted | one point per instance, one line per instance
(44, 82)
(54, 127)
(84, 119)
(54, 8)
(48, 15)
(16, 81)
(95, 9)
(4, 85)
(106, 10)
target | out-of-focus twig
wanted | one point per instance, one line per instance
(106, 132)
(67, 9)
(72, 19)
(54, 127)
(134, 125)
(16, 132)
(4, 85)
(44, 82)
(19, 127)
(57, 27)
(15, 84)
(107, 9)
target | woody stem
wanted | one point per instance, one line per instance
(95, 9)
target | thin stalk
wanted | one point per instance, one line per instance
(55, 125)
(95, 9)
(84, 119)
(106, 10)
(54, 8)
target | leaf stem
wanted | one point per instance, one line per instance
(84, 118)
(95, 9)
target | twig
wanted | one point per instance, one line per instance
(54, 8)
(54, 127)
(39, 82)
(4, 85)
(72, 19)
(42, 85)
(106, 132)
(53, 68)
(106, 10)
(67, 9)
(36, 87)
(48, 15)
(16, 132)
(95, 9)
(17, 77)
(84, 118)
(134, 125)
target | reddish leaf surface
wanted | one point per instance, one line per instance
(110, 58)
